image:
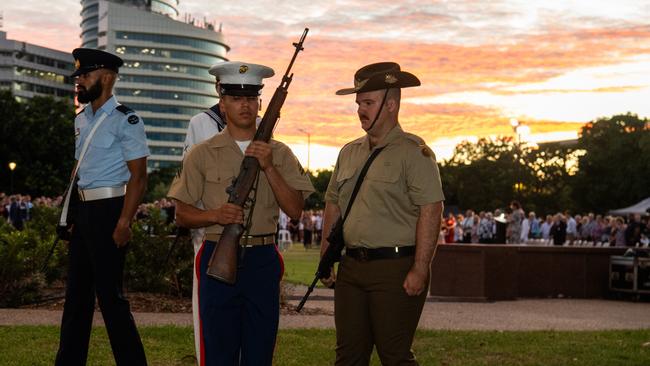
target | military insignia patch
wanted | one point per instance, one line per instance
(243, 69)
(77, 64)
(133, 119)
(390, 79)
(426, 150)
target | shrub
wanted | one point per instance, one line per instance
(150, 267)
(20, 281)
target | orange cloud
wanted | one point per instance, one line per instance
(328, 64)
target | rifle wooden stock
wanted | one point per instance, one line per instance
(223, 262)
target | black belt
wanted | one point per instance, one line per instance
(366, 254)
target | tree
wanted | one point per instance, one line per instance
(320, 181)
(615, 169)
(483, 175)
(39, 136)
(490, 173)
(158, 183)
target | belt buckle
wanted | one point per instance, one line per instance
(363, 254)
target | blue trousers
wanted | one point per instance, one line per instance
(239, 322)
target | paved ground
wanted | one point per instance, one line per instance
(543, 314)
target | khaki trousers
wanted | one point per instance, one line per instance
(372, 308)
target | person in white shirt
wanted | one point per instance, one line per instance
(201, 127)
(571, 228)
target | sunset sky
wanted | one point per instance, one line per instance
(553, 65)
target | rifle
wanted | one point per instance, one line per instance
(335, 239)
(332, 255)
(223, 262)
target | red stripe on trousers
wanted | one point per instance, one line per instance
(197, 268)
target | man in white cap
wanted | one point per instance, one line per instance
(238, 323)
(201, 127)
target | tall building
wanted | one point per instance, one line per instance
(29, 70)
(165, 75)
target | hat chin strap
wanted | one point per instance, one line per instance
(381, 107)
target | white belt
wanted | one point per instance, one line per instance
(101, 193)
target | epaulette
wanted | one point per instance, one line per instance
(415, 138)
(124, 109)
(355, 141)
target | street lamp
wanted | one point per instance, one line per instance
(308, 145)
(519, 128)
(12, 166)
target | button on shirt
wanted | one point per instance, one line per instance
(210, 167)
(403, 177)
(120, 138)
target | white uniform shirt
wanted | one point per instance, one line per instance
(201, 128)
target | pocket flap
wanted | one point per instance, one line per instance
(345, 174)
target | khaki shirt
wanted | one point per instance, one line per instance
(402, 177)
(210, 167)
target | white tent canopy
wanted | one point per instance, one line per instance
(638, 208)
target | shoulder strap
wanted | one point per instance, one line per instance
(66, 202)
(124, 109)
(362, 175)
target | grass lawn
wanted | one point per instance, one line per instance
(300, 264)
(36, 345)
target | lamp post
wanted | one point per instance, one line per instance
(520, 130)
(12, 166)
(308, 145)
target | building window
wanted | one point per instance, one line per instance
(161, 122)
(158, 164)
(162, 8)
(92, 19)
(201, 44)
(170, 95)
(166, 150)
(165, 53)
(165, 136)
(163, 67)
(90, 44)
(89, 33)
(160, 108)
(45, 75)
(41, 89)
(89, 9)
(184, 83)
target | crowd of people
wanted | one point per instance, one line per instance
(562, 228)
(308, 230)
(17, 209)
(486, 227)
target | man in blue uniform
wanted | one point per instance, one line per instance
(238, 323)
(112, 178)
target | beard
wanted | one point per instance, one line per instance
(88, 95)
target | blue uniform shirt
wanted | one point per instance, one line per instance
(119, 139)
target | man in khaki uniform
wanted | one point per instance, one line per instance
(239, 322)
(391, 230)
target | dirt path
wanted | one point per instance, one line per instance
(538, 314)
